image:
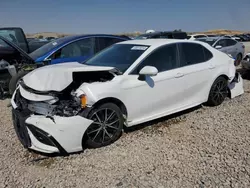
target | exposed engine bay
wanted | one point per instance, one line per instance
(64, 103)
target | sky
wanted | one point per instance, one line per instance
(118, 16)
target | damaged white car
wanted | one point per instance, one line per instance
(66, 107)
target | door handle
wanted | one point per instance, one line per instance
(211, 66)
(178, 75)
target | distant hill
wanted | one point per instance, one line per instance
(135, 33)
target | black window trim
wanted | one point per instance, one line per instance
(177, 58)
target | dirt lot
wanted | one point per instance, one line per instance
(205, 147)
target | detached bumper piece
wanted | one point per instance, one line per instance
(236, 86)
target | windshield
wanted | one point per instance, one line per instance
(120, 56)
(46, 48)
(209, 41)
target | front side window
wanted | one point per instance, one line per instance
(120, 56)
(163, 58)
(191, 53)
(222, 42)
(79, 48)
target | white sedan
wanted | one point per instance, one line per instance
(66, 107)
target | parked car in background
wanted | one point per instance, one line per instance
(163, 34)
(72, 106)
(76, 48)
(210, 35)
(30, 39)
(51, 38)
(196, 36)
(242, 37)
(228, 46)
(232, 37)
(246, 61)
(17, 36)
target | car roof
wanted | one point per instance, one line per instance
(75, 37)
(210, 38)
(157, 42)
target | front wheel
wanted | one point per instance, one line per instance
(218, 92)
(107, 126)
(15, 79)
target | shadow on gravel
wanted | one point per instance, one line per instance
(159, 120)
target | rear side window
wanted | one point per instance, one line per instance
(191, 53)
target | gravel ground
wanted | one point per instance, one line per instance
(205, 147)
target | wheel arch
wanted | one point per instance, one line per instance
(114, 100)
(220, 75)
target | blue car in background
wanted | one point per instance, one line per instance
(77, 48)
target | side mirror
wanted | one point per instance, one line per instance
(147, 71)
(218, 47)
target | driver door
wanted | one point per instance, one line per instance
(155, 95)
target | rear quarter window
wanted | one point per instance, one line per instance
(208, 55)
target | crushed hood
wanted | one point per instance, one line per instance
(57, 77)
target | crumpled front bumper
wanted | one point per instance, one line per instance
(49, 134)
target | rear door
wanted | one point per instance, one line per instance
(104, 42)
(15, 35)
(197, 66)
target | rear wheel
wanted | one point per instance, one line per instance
(107, 125)
(218, 92)
(238, 60)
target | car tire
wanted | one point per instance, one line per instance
(218, 92)
(106, 128)
(14, 80)
(238, 60)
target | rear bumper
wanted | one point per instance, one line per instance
(54, 134)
